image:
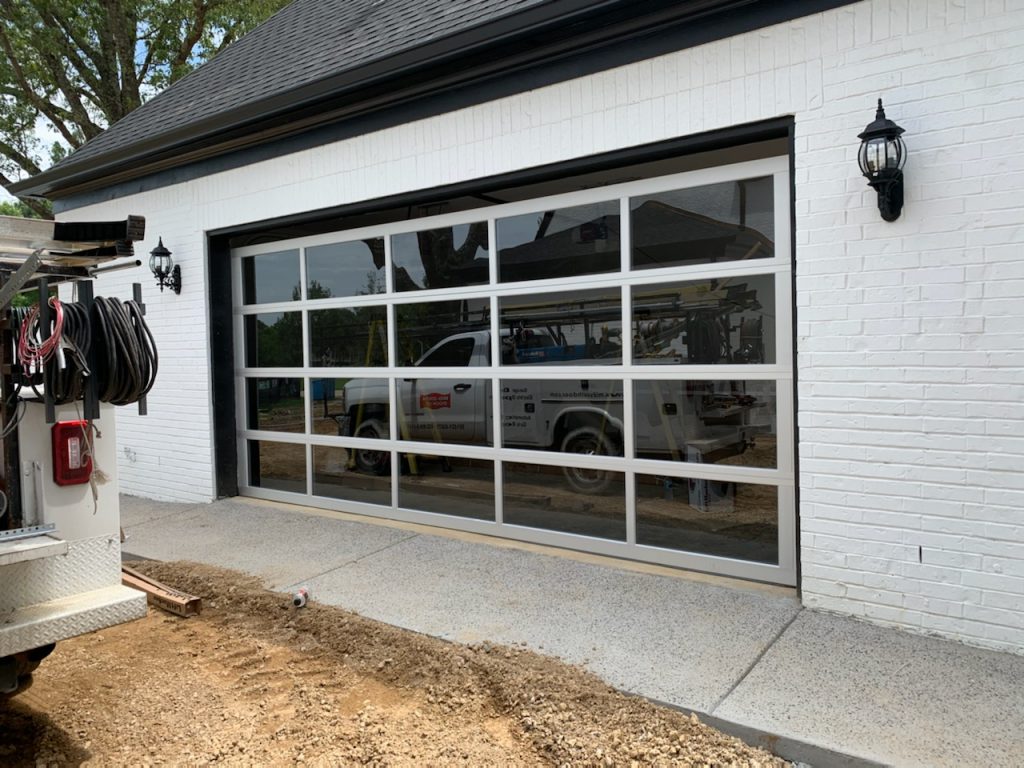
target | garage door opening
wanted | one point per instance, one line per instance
(608, 369)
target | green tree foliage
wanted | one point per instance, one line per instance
(76, 67)
(20, 208)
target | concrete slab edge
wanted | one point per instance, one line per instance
(794, 750)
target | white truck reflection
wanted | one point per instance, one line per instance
(681, 420)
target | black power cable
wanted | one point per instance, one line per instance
(126, 359)
(126, 356)
(66, 383)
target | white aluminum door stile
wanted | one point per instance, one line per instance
(781, 372)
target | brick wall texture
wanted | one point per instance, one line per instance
(910, 335)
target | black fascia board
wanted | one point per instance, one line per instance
(511, 44)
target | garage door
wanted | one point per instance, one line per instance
(608, 370)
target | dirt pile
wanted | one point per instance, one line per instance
(255, 681)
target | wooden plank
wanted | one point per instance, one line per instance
(164, 597)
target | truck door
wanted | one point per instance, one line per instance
(446, 410)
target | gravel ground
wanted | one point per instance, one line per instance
(254, 681)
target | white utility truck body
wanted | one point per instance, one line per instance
(60, 560)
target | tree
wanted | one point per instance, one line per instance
(77, 66)
(19, 208)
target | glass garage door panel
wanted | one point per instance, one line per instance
(559, 243)
(585, 502)
(435, 334)
(716, 321)
(354, 337)
(276, 404)
(448, 257)
(277, 466)
(345, 269)
(343, 407)
(711, 517)
(567, 328)
(706, 421)
(729, 221)
(543, 370)
(448, 486)
(273, 340)
(340, 473)
(271, 277)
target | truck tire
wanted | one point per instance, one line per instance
(590, 441)
(369, 461)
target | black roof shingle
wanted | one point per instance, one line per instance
(306, 42)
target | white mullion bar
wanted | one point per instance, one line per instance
(389, 273)
(629, 450)
(788, 554)
(309, 469)
(628, 412)
(539, 372)
(394, 434)
(784, 416)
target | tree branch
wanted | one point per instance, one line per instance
(50, 111)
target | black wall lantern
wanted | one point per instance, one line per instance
(166, 272)
(881, 158)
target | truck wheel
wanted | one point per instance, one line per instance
(369, 461)
(591, 442)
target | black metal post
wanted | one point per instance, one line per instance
(90, 397)
(137, 296)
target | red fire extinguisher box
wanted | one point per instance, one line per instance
(72, 462)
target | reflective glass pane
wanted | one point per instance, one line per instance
(345, 269)
(569, 327)
(710, 422)
(356, 337)
(278, 405)
(433, 334)
(270, 277)
(548, 498)
(445, 410)
(447, 486)
(581, 240)
(277, 466)
(729, 221)
(571, 416)
(341, 473)
(441, 258)
(718, 320)
(273, 340)
(711, 517)
(350, 407)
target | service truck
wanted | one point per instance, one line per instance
(686, 420)
(60, 535)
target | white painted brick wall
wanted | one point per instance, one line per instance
(910, 343)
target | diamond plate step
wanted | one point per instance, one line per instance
(43, 623)
(23, 550)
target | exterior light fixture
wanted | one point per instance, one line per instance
(881, 158)
(166, 272)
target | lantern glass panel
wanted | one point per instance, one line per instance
(875, 152)
(160, 263)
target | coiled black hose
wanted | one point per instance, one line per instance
(67, 384)
(126, 359)
(126, 356)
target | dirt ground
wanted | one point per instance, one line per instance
(254, 681)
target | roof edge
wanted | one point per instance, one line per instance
(555, 31)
